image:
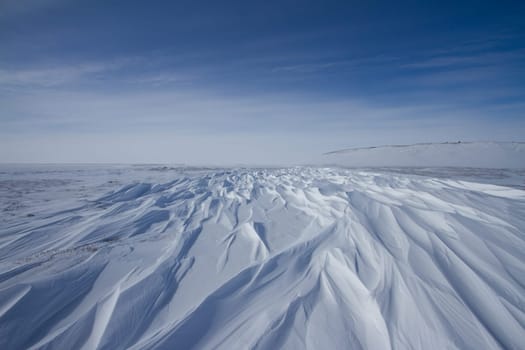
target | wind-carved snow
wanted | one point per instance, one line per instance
(284, 258)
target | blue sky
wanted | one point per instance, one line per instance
(226, 82)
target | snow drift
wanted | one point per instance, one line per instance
(449, 154)
(258, 258)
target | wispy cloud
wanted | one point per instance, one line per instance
(131, 70)
(55, 75)
(480, 59)
(312, 67)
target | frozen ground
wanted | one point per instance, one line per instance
(115, 257)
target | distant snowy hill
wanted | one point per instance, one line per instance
(455, 154)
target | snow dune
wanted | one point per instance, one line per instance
(299, 258)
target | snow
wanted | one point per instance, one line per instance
(148, 257)
(448, 154)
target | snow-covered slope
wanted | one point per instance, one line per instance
(456, 154)
(300, 258)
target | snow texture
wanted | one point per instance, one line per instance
(296, 258)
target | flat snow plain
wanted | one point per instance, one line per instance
(142, 257)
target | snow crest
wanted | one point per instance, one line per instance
(301, 258)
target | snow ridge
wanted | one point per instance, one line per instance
(270, 258)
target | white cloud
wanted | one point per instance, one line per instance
(51, 76)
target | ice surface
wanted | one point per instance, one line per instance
(142, 257)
